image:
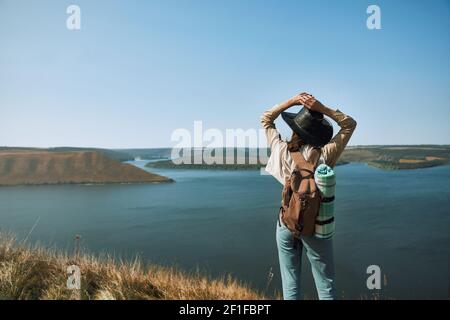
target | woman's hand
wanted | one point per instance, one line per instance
(300, 99)
(304, 99)
(311, 102)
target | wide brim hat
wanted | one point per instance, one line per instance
(311, 126)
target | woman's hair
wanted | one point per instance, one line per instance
(295, 143)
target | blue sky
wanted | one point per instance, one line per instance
(138, 70)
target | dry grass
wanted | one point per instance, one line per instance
(35, 273)
(429, 158)
(410, 161)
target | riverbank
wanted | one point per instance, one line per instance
(34, 273)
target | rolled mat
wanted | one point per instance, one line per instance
(326, 182)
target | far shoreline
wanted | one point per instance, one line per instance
(168, 164)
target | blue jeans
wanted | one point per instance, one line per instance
(320, 255)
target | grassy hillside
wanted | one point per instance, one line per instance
(45, 167)
(36, 273)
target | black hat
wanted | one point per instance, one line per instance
(311, 126)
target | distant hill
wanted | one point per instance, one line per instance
(399, 157)
(32, 167)
(383, 157)
(389, 157)
(149, 154)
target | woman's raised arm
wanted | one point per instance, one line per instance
(269, 116)
(333, 150)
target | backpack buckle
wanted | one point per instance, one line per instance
(303, 201)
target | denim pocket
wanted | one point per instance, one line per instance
(283, 234)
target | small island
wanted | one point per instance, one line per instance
(37, 167)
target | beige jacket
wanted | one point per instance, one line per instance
(280, 164)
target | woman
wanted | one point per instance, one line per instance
(310, 131)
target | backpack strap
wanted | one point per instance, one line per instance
(314, 157)
(306, 168)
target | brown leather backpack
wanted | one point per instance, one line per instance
(300, 197)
